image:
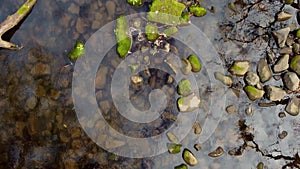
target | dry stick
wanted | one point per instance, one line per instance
(13, 20)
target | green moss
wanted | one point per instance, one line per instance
(260, 165)
(174, 148)
(185, 17)
(295, 64)
(196, 65)
(160, 8)
(135, 2)
(23, 9)
(170, 31)
(77, 51)
(151, 32)
(123, 47)
(123, 39)
(181, 166)
(253, 93)
(197, 10)
(184, 87)
(298, 33)
(180, 101)
(289, 1)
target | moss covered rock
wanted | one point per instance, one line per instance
(295, 64)
(184, 87)
(123, 39)
(151, 32)
(196, 65)
(197, 10)
(77, 51)
(253, 93)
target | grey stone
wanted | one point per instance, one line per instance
(274, 93)
(226, 80)
(283, 16)
(282, 64)
(296, 48)
(251, 78)
(291, 81)
(292, 107)
(254, 93)
(188, 103)
(263, 70)
(239, 68)
(286, 50)
(189, 158)
(281, 35)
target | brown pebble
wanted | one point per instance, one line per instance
(266, 104)
(231, 109)
(197, 147)
(283, 134)
(216, 153)
(282, 115)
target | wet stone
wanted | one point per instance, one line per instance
(282, 64)
(281, 35)
(249, 110)
(197, 147)
(31, 102)
(286, 50)
(174, 148)
(186, 66)
(189, 157)
(283, 134)
(253, 93)
(263, 70)
(110, 7)
(231, 109)
(101, 77)
(172, 137)
(295, 64)
(293, 106)
(188, 103)
(136, 79)
(197, 128)
(216, 153)
(251, 78)
(283, 16)
(274, 93)
(291, 81)
(226, 80)
(40, 69)
(260, 165)
(296, 48)
(181, 166)
(184, 87)
(239, 68)
(281, 115)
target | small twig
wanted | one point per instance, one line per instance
(13, 20)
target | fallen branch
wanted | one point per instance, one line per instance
(13, 20)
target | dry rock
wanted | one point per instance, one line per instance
(263, 70)
(282, 64)
(274, 93)
(293, 106)
(281, 35)
(291, 81)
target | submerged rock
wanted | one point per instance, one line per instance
(196, 65)
(216, 153)
(295, 64)
(189, 157)
(281, 35)
(226, 80)
(293, 106)
(291, 81)
(181, 166)
(197, 128)
(188, 103)
(282, 64)
(172, 137)
(174, 148)
(263, 70)
(184, 87)
(239, 68)
(274, 93)
(136, 79)
(186, 66)
(254, 93)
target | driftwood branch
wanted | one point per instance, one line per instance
(13, 20)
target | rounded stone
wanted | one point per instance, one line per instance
(291, 81)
